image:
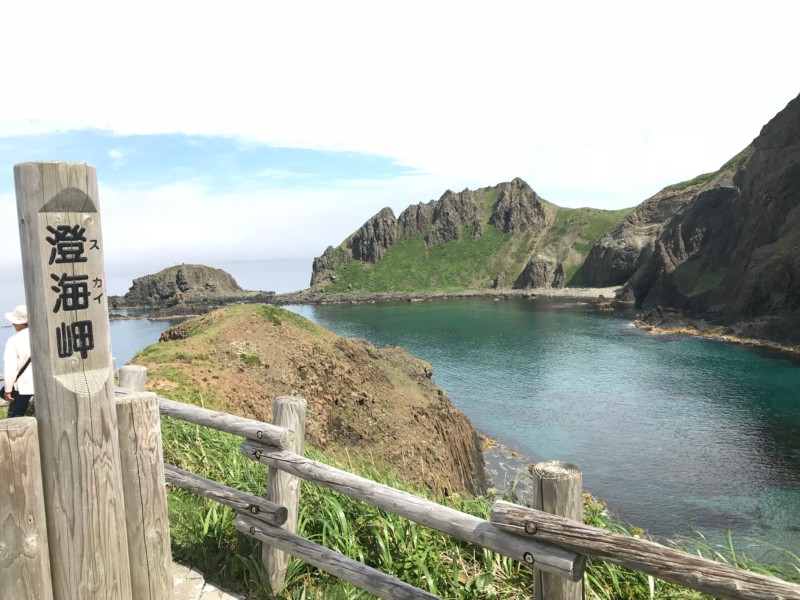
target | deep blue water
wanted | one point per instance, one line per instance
(673, 432)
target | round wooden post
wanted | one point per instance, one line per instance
(24, 558)
(143, 483)
(282, 488)
(66, 294)
(133, 378)
(557, 489)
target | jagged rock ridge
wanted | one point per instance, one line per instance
(517, 209)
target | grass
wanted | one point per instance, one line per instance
(411, 265)
(703, 178)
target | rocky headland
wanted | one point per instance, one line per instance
(374, 404)
(723, 248)
(510, 237)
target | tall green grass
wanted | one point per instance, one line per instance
(203, 536)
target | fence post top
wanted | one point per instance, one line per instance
(52, 162)
(555, 469)
(292, 400)
(17, 423)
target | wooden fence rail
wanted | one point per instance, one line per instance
(241, 502)
(448, 520)
(669, 564)
(369, 579)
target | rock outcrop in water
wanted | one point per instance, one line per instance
(185, 289)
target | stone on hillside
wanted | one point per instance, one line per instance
(538, 273)
(415, 220)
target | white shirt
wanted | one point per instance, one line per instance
(18, 350)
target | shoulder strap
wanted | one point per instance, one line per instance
(25, 366)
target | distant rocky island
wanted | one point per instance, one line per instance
(185, 290)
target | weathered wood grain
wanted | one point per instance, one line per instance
(24, 551)
(460, 525)
(255, 506)
(669, 564)
(146, 514)
(557, 489)
(369, 579)
(283, 488)
(74, 382)
(267, 433)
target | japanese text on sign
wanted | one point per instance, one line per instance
(72, 291)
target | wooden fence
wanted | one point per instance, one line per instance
(555, 545)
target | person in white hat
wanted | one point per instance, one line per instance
(18, 375)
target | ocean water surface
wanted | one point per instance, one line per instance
(675, 433)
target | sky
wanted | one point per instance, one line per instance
(266, 131)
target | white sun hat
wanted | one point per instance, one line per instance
(19, 315)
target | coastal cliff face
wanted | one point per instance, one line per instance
(616, 255)
(374, 403)
(733, 252)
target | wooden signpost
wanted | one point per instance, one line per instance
(66, 295)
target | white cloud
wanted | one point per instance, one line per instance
(118, 156)
(591, 103)
(185, 223)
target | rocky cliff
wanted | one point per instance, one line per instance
(364, 402)
(616, 256)
(733, 252)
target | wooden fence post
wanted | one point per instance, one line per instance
(66, 294)
(24, 558)
(557, 489)
(144, 486)
(133, 378)
(282, 488)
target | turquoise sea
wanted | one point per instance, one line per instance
(672, 432)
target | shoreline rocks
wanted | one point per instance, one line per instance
(661, 321)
